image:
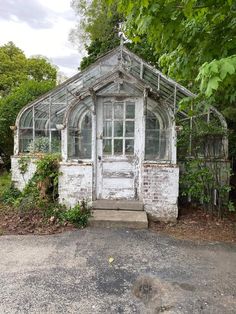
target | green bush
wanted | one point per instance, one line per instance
(77, 215)
(10, 195)
(5, 181)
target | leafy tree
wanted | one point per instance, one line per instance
(194, 39)
(21, 81)
(97, 29)
(12, 63)
(195, 43)
(15, 68)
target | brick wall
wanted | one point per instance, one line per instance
(75, 183)
(160, 189)
(20, 180)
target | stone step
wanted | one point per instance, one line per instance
(118, 205)
(119, 218)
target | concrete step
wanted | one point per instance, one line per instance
(118, 218)
(117, 205)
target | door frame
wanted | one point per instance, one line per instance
(139, 138)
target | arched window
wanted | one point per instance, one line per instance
(80, 137)
(156, 138)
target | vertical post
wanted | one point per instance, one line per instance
(33, 128)
(175, 91)
(49, 124)
(94, 143)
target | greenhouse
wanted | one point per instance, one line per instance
(115, 125)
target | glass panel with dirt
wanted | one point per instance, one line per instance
(118, 147)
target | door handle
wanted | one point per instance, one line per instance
(99, 158)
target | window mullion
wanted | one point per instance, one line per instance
(112, 130)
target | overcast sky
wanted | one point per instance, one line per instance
(41, 27)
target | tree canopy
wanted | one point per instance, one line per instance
(16, 68)
(195, 41)
(22, 80)
(192, 41)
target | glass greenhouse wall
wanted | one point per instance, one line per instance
(39, 124)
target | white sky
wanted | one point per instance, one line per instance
(41, 27)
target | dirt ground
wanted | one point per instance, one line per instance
(192, 224)
(195, 224)
(15, 222)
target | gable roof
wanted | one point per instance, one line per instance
(56, 102)
(59, 99)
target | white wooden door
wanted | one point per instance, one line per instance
(118, 148)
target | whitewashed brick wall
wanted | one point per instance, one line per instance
(75, 183)
(160, 188)
(20, 180)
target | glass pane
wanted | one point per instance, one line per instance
(107, 147)
(26, 140)
(80, 139)
(85, 137)
(130, 110)
(129, 128)
(41, 142)
(27, 119)
(155, 139)
(107, 111)
(118, 110)
(118, 146)
(118, 128)
(107, 129)
(56, 141)
(73, 143)
(129, 147)
(41, 123)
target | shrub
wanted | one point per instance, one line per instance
(77, 215)
(10, 195)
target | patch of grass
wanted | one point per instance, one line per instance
(5, 182)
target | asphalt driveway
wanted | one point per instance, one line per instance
(71, 273)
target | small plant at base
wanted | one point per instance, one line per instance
(231, 206)
(77, 215)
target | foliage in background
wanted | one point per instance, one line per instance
(98, 30)
(22, 80)
(16, 68)
(195, 42)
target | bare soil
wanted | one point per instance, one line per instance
(13, 221)
(194, 224)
